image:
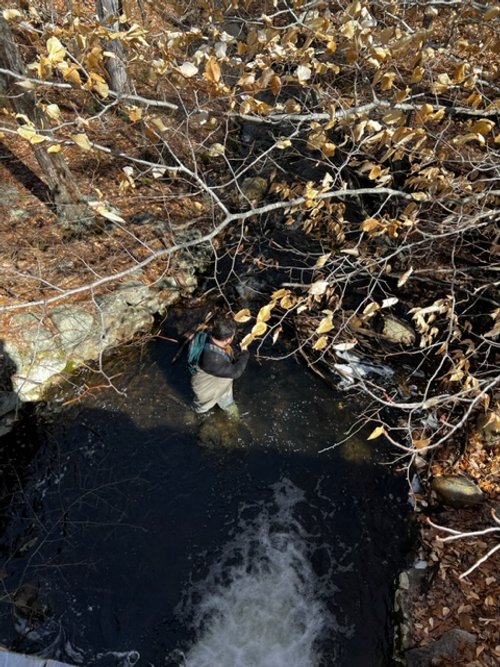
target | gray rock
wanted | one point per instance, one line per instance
(74, 323)
(398, 331)
(456, 491)
(454, 646)
(255, 188)
(489, 425)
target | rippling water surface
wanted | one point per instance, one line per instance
(138, 534)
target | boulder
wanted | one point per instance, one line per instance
(456, 491)
(454, 647)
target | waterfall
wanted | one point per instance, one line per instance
(261, 604)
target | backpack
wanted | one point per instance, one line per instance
(196, 347)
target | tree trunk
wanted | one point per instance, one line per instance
(63, 189)
(108, 12)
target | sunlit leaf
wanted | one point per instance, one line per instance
(376, 433)
(280, 293)
(343, 347)
(483, 126)
(321, 261)
(371, 308)
(370, 224)
(216, 150)
(56, 148)
(10, 14)
(325, 325)
(82, 141)
(318, 288)
(259, 329)
(247, 340)
(303, 73)
(264, 313)
(53, 111)
(188, 70)
(31, 134)
(243, 316)
(405, 277)
(390, 301)
(56, 51)
(287, 302)
(212, 70)
(321, 343)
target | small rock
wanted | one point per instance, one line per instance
(397, 330)
(455, 646)
(456, 491)
(255, 188)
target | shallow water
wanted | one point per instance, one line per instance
(130, 541)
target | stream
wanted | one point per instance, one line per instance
(139, 533)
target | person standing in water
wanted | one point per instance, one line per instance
(218, 367)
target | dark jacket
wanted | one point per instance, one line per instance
(217, 362)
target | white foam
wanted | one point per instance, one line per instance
(260, 604)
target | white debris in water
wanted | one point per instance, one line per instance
(260, 605)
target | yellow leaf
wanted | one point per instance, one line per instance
(467, 138)
(30, 134)
(56, 51)
(348, 29)
(283, 143)
(421, 443)
(216, 150)
(419, 196)
(325, 325)
(321, 343)
(387, 80)
(212, 70)
(55, 148)
(134, 114)
(279, 294)
(483, 126)
(371, 308)
(370, 225)
(328, 149)
(405, 277)
(82, 141)
(375, 172)
(101, 88)
(247, 340)
(259, 329)
(321, 261)
(417, 75)
(70, 73)
(376, 433)
(287, 302)
(264, 313)
(10, 14)
(53, 111)
(242, 316)
(394, 116)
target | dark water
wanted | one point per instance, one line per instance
(126, 536)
